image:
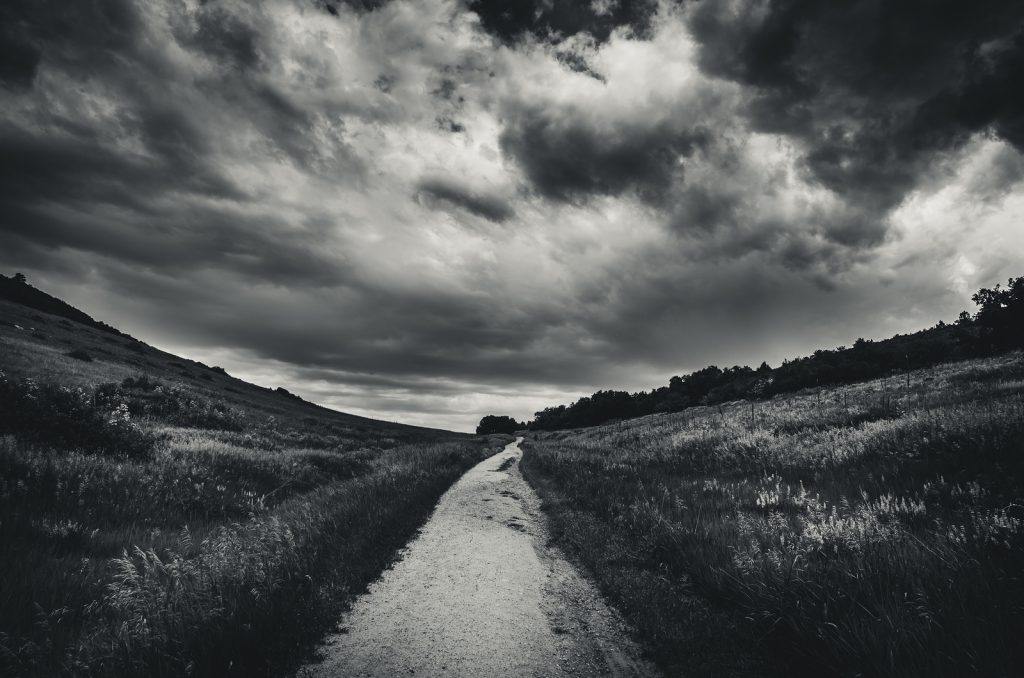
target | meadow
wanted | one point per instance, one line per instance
(875, 529)
(159, 517)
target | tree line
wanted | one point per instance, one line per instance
(997, 326)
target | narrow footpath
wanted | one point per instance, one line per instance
(481, 593)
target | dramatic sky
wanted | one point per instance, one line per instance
(432, 210)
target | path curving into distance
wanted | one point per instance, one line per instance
(481, 593)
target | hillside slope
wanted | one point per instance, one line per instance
(160, 517)
(996, 327)
(874, 529)
(38, 331)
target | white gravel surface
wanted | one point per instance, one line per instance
(481, 593)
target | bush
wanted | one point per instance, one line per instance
(79, 354)
(71, 418)
(142, 383)
(175, 405)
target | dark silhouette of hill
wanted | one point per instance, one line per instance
(47, 339)
(996, 327)
(17, 290)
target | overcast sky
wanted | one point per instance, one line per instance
(432, 210)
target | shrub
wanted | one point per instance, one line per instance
(142, 383)
(176, 405)
(79, 354)
(71, 418)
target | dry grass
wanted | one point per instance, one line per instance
(161, 518)
(207, 557)
(875, 529)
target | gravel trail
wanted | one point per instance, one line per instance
(481, 593)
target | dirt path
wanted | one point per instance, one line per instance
(480, 593)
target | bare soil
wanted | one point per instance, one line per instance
(480, 592)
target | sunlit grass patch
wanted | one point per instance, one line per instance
(873, 529)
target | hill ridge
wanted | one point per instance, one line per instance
(17, 290)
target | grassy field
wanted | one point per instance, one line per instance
(159, 517)
(869, 530)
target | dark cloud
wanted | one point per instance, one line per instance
(489, 207)
(60, 153)
(449, 125)
(875, 95)
(446, 89)
(19, 59)
(874, 90)
(577, 63)
(547, 19)
(568, 157)
(223, 34)
(250, 246)
(78, 35)
(332, 8)
(151, 183)
(702, 207)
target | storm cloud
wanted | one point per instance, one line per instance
(430, 211)
(568, 157)
(447, 190)
(512, 21)
(877, 93)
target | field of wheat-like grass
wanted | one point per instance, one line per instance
(148, 530)
(871, 529)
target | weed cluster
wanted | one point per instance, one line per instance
(172, 403)
(73, 418)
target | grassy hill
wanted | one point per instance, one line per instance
(70, 347)
(995, 328)
(872, 529)
(160, 517)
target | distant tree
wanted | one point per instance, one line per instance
(1001, 313)
(495, 424)
(20, 279)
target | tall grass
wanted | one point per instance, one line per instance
(150, 532)
(874, 530)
